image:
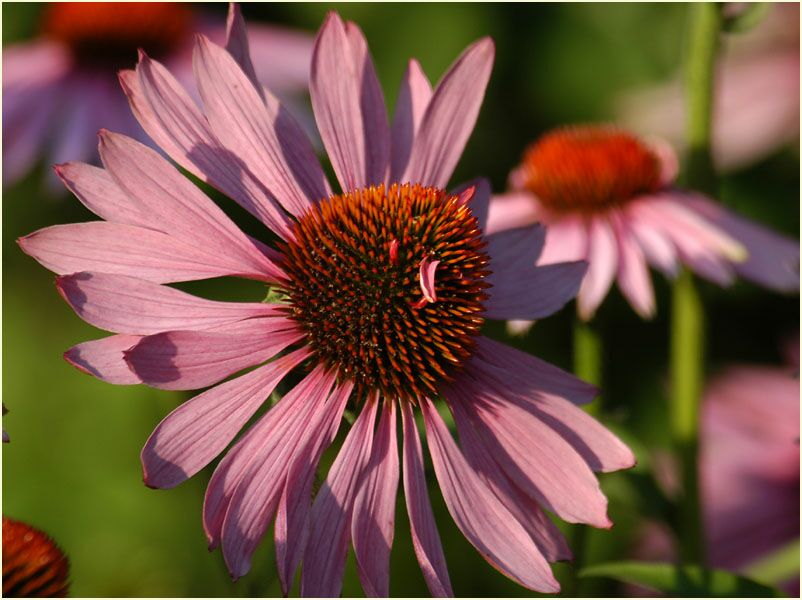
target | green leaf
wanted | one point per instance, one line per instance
(688, 580)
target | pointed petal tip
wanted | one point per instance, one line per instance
(67, 356)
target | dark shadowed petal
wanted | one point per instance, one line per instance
(373, 521)
(193, 434)
(126, 305)
(330, 521)
(480, 515)
(413, 98)
(103, 359)
(423, 528)
(349, 105)
(189, 360)
(450, 116)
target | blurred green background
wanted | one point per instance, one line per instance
(72, 468)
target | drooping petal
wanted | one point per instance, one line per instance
(450, 116)
(511, 211)
(324, 563)
(286, 416)
(261, 134)
(193, 434)
(126, 305)
(566, 240)
(423, 528)
(292, 518)
(413, 98)
(480, 515)
(104, 359)
(602, 257)
(189, 360)
(537, 375)
(349, 105)
(127, 250)
(773, 260)
(171, 118)
(526, 511)
(373, 520)
(633, 274)
(182, 210)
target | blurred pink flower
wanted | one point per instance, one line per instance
(756, 109)
(608, 197)
(386, 289)
(61, 87)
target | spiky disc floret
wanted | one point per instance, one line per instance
(361, 286)
(33, 565)
(589, 168)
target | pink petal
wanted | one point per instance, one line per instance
(423, 528)
(426, 277)
(237, 44)
(512, 210)
(170, 117)
(292, 518)
(182, 209)
(526, 511)
(602, 265)
(413, 98)
(633, 273)
(601, 450)
(450, 116)
(520, 289)
(330, 525)
(567, 239)
(773, 260)
(656, 246)
(125, 250)
(189, 360)
(534, 456)
(349, 105)
(481, 517)
(537, 376)
(287, 416)
(193, 434)
(261, 134)
(290, 53)
(373, 520)
(73, 131)
(103, 359)
(127, 305)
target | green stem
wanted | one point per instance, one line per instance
(587, 366)
(687, 335)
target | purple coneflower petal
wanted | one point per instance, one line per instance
(566, 240)
(656, 246)
(330, 520)
(450, 116)
(512, 210)
(349, 105)
(292, 518)
(237, 44)
(74, 129)
(773, 260)
(373, 520)
(602, 257)
(182, 209)
(189, 360)
(413, 98)
(268, 431)
(481, 516)
(534, 456)
(633, 276)
(524, 509)
(103, 359)
(193, 434)
(171, 118)
(261, 134)
(126, 250)
(126, 305)
(423, 528)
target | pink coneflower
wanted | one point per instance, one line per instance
(33, 564)
(608, 197)
(61, 87)
(756, 110)
(386, 286)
